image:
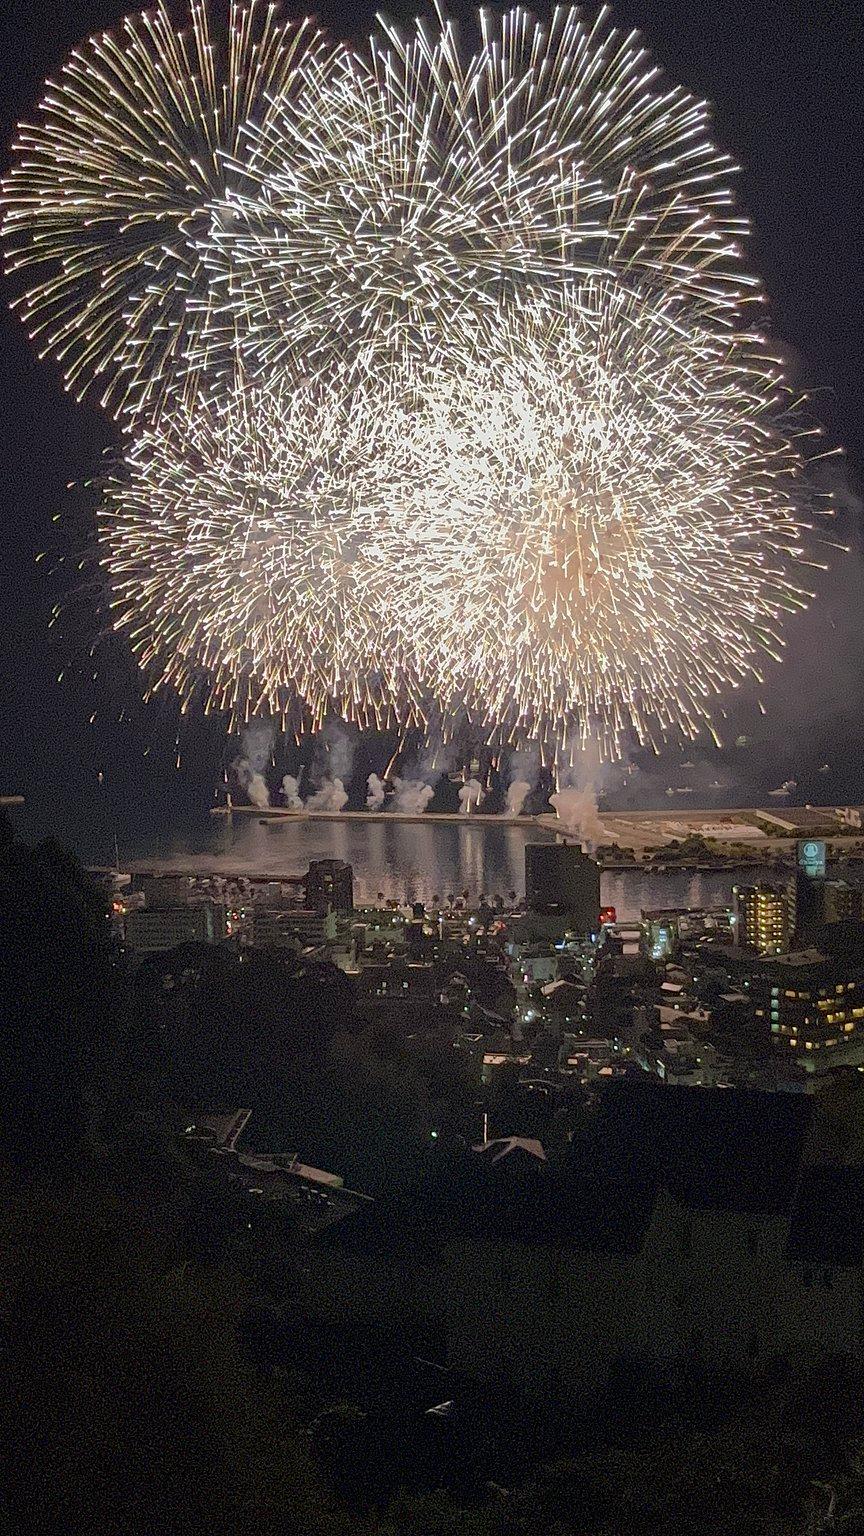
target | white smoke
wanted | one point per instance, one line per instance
(470, 796)
(291, 792)
(523, 767)
(256, 789)
(576, 809)
(374, 792)
(517, 794)
(257, 744)
(332, 796)
(412, 796)
(334, 753)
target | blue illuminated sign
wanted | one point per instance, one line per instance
(811, 857)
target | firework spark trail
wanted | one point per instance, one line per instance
(107, 204)
(440, 370)
(614, 537)
(438, 186)
(243, 551)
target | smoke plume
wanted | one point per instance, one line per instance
(334, 754)
(576, 809)
(291, 792)
(374, 792)
(517, 794)
(332, 796)
(412, 796)
(253, 785)
(470, 796)
(248, 769)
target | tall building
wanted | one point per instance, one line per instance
(330, 883)
(813, 1006)
(561, 880)
(764, 918)
(841, 902)
(806, 890)
(816, 901)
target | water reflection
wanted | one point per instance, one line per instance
(414, 861)
(405, 861)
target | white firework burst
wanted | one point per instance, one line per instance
(107, 204)
(599, 520)
(238, 545)
(439, 370)
(439, 185)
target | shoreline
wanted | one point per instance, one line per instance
(731, 839)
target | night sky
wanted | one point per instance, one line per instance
(786, 84)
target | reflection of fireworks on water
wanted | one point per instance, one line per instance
(439, 395)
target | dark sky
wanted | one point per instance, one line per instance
(787, 84)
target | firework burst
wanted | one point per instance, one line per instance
(438, 368)
(108, 199)
(241, 546)
(447, 184)
(614, 538)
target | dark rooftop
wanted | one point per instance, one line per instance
(735, 1149)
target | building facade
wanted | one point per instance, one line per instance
(330, 883)
(812, 1007)
(711, 1240)
(764, 919)
(150, 929)
(561, 880)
